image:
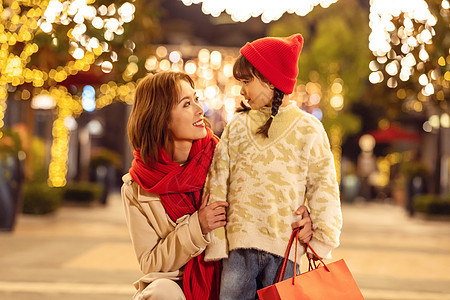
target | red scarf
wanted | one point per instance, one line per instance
(180, 189)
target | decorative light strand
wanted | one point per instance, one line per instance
(269, 10)
(3, 97)
(384, 34)
(21, 21)
(67, 106)
(410, 59)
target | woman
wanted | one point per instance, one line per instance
(168, 222)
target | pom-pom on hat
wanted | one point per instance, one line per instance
(276, 59)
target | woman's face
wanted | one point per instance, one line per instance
(257, 93)
(186, 118)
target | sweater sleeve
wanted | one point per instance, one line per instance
(322, 195)
(158, 252)
(217, 183)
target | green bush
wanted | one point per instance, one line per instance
(85, 192)
(105, 157)
(432, 204)
(39, 198)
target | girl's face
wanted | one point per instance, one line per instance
(257, 93)
(186, 118)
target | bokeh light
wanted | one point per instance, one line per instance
(241, 11)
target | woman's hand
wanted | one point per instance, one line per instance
(305, 224)
(212, 216)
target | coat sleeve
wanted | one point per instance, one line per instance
(322, 195)
(159, 245)
(217, 184)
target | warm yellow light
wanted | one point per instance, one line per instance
(423, 79)
(43, 101)
(241, 11)
(203, 55)
(445, 120)
(336, 88)
(445, 4)
(230, 105)
(212, 91)
(366, 142)
(376, 77)
(131, 69)
(314, 99)
(78, 53)
(423, 55)
(401, 94)
(392, 68)
(392, 83)
(228, 70)
(46, 27)
(107, 67)
(434, 121)
(151, 63)
(112, 24)
(417, 106)
(190, 67)
(405, 74)
(384, 34)
(337, 102)
(447, 76)
(164, 65)
(429, 89)
(26, 94)
(97, 22)
(313, 88)
(236, 90)
(161, 51)
(440, 95)
(126, 10)
(216, 59)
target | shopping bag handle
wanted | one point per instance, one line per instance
(312, 262)
(294, 235)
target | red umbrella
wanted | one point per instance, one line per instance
(394, 134)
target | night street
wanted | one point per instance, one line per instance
(85, 253)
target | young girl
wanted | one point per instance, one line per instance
(271, 159)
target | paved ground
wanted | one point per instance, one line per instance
(85, 253)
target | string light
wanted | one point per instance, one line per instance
(22, 24)
(269, 10)
(394, 38)
(211, 70)
(68, 106)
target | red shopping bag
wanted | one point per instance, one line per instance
(327, 282)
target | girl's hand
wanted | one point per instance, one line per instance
(312, 256)
(305, 224)
(212, 216)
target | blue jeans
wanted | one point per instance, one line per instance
(247, 270)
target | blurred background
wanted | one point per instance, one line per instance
(376, 73)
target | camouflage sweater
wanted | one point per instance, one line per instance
(266, 179)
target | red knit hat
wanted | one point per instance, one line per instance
(276, 59)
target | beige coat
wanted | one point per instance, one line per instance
(162, 247)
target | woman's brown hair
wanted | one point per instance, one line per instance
(154, 98)
(244, 70)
